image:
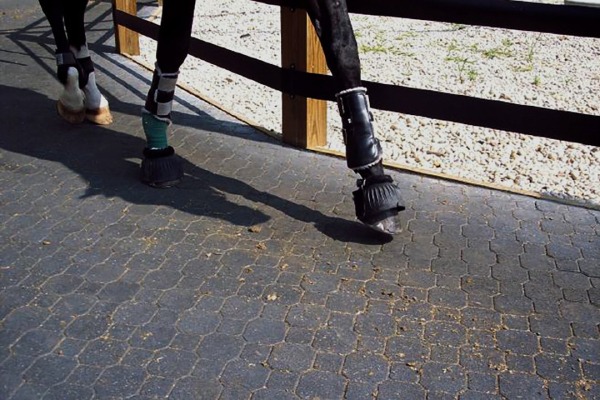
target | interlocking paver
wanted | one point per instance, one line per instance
(250, 279)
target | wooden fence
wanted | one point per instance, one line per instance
(305, 86)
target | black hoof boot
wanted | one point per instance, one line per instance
(161, 168)
(377, 202)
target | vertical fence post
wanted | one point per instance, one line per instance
(126, 40)
(304, 121)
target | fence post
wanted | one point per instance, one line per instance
(304, 121)
(126, 40)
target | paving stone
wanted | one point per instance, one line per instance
(585, 349)
(321, 385)
(447, 297)
(247, 375)
(264, 331)
(369, 368)
(390, 390)
(220, 347)
(306, 316)
(29, 391)
(375, 325)
(156, 387)
(84, 375)
(515, 386)
(171, 363)
(67, 391)
(517, 342)
(472, 395)
(119, 381)
(481, 382)
(198, 322)
(445, 333)
(49, 370)
(196, 388)
(329, 362)
(292, 357)
(267, 394)
(360, 390)
(482, 359)
(9, 382)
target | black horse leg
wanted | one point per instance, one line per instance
(377, 200)
(160, 166)
(74, 22)
(332, 24)
(54, 11)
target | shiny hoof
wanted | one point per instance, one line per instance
(377, 202)
(161, 168)
(99, 116)
(389, 226)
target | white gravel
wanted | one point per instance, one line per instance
(552, 71)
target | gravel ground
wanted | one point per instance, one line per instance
(552, 71)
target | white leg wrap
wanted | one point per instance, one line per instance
(93, 98)
(72, 97)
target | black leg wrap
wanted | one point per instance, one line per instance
(362, 148)
(87, 67)
(161, 168)
(64, 61)
(376, 199)
(159, 100)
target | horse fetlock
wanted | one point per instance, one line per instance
(161, 168)
(377, 202)
(363, 150)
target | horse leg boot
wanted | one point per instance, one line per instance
(71, 102)
(377, 200)
(97, 109)
(160, 166)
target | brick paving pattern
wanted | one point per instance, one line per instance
(250, 279)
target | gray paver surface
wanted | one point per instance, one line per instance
(250, 280)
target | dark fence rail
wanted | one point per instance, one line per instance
(519, 15)
(531, 120)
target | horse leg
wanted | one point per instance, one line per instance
(160, 166)
(377, 200)
(97, 109)
(70, 104)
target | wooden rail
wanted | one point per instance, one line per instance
(303, 84)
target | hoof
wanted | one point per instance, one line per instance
(377, 202)
(161, 168)
(99, 116)
(69, 115)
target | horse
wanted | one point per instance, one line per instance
(377, 199)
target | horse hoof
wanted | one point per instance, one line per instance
(377, 203)
(70, 115)
(99, 116)
(161, 168)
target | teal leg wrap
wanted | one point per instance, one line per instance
(155, 130)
